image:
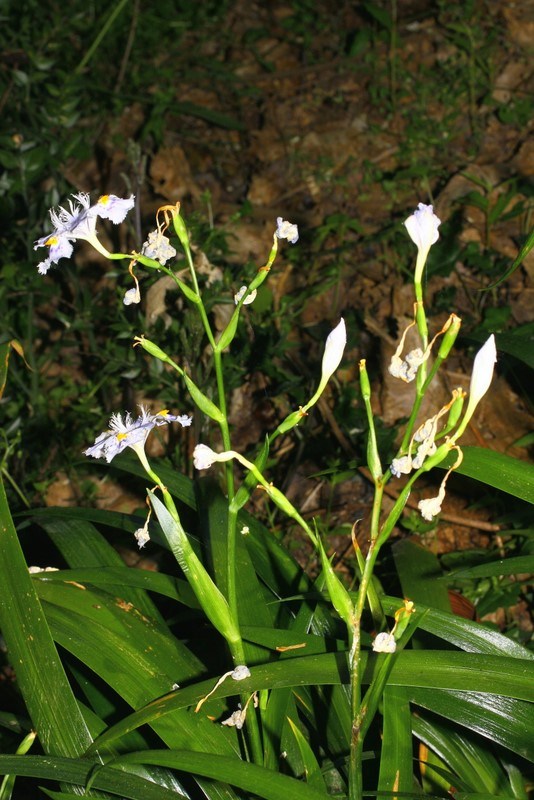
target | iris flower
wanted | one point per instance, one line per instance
(79, 222)
(132, 433)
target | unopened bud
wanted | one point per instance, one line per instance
(333, 351)
(451, 332)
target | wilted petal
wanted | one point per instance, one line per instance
(133, 295)
(401, 466)
(286, 230)
(250, 299)
(384, 643)
(431, 507)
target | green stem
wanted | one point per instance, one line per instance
(421, 381)
(100, 36)
(237, 649)
(356, 739)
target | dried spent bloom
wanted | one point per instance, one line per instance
(79, 222)
(130, 433)
(236, 719)
(405, 370)
(240, 673)
(432, 506)
(133, 295)
(142, 536)
(423, 226)
(158, 247)
(426, 449)
(36, 570)
(250, 299)
(425, 430)
(401, 466)
(384, 643)
(286, 230)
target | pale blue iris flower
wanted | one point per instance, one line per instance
(132, 433)
(79, 222)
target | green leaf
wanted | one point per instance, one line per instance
(511, 677)
(312, 770)
(127, 577)
(503, 720)
(473, 765)
(227, 336)
(252, 778)
(212, 601)
(77, 771)
(523, 253)
(469, 636)
(504, 566)
(519, 346)
(496, 469)
(396, 770)
(418, 570)
(338, 594)
(206, 405)
(82, 545)
(44, 686)
(251, 596)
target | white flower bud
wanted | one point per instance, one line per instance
(481, 376)
(204, 457)
(333, 351)
(482, 371)
(423, 227)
